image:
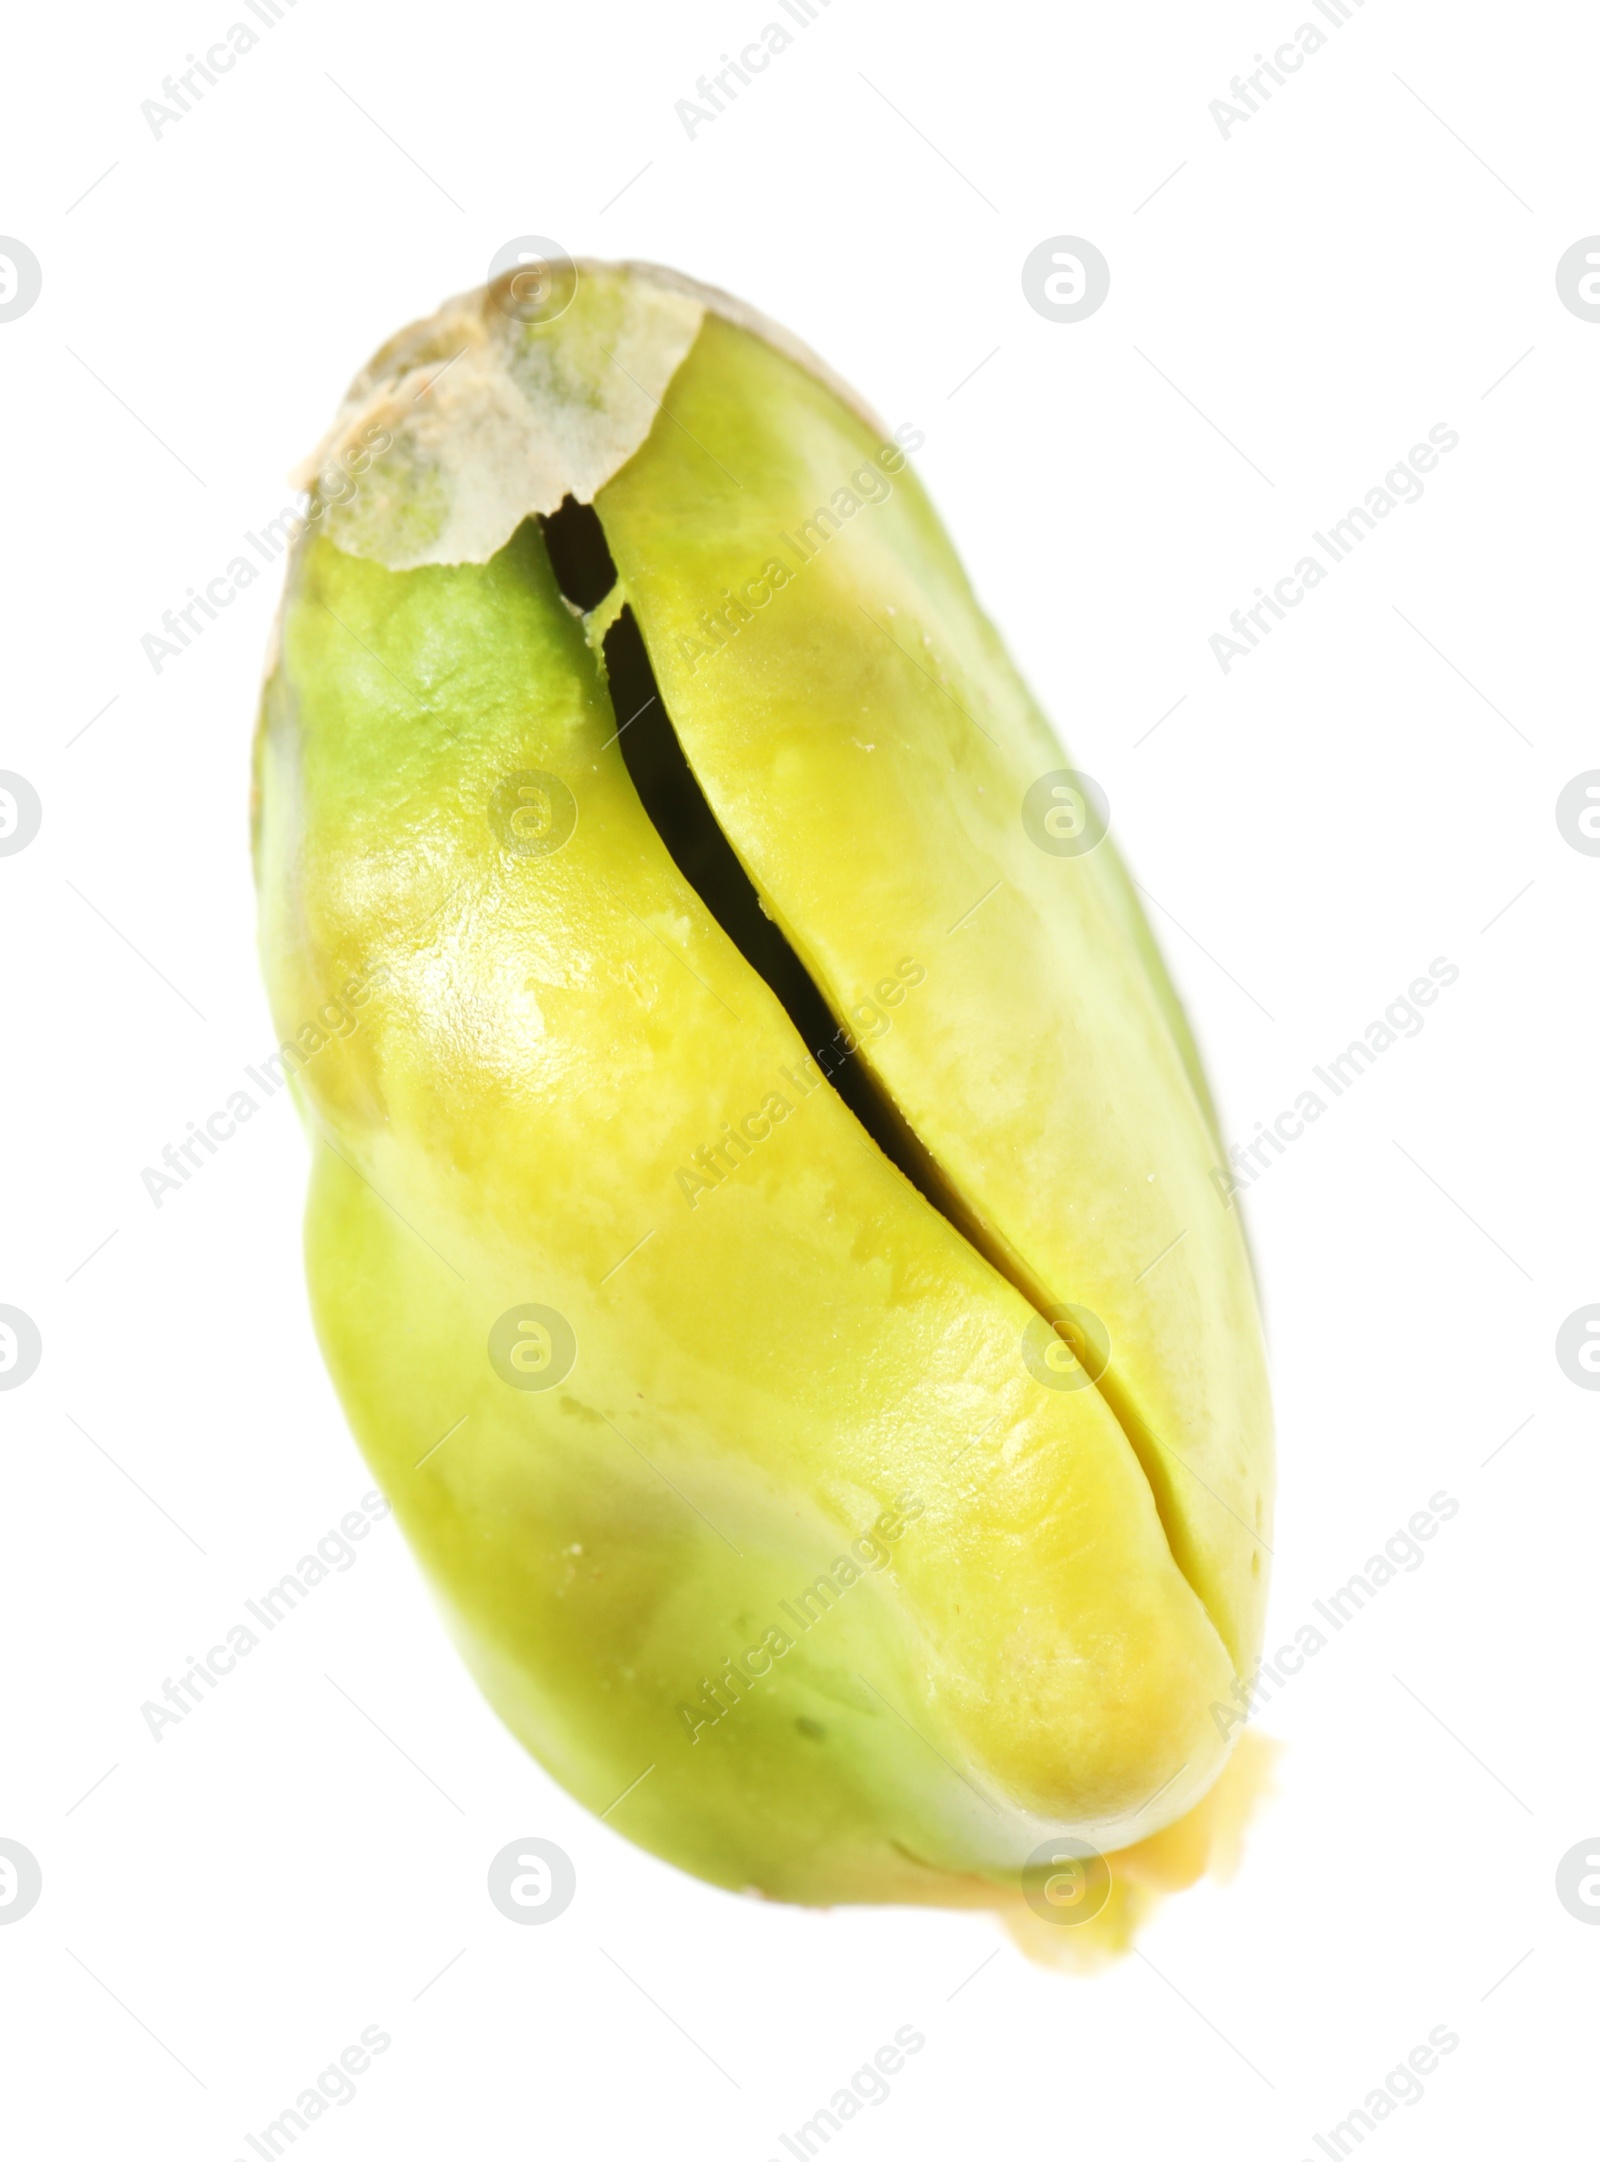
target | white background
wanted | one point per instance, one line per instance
(1297, 305)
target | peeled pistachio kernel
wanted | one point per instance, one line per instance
(767, 1225)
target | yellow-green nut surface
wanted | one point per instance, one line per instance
(762, 1223)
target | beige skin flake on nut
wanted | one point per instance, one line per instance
(491, 420)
